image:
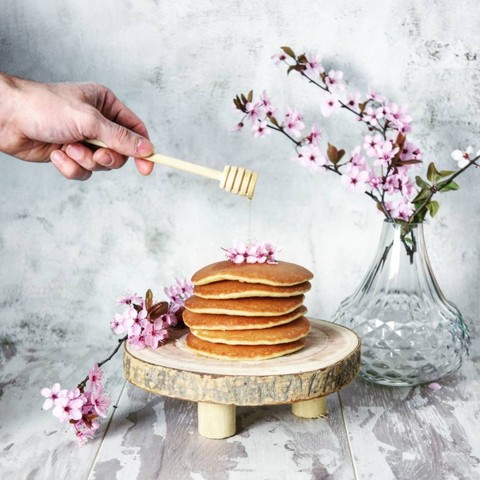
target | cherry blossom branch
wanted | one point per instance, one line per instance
(380, 166)
(435, 187)
(279, 129)
(381, 130)
(83, 383)
(143, 324)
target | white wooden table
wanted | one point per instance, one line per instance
(372, 432)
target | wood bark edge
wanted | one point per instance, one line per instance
(242, 389)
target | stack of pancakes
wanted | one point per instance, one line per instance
(248, 311)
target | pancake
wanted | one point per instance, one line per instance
(286, 333)
(241, 352)
(226, 289)
(206, 321)
(280, 274)
(268, 307)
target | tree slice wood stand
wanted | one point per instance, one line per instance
(329, 361)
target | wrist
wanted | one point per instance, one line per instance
(10, 91)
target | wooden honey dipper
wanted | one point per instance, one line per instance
(233, 179)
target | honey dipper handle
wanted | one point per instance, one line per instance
(175, 163)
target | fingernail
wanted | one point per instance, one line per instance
(107, 160)
(75, 152)
(56, 157)
(143, 147)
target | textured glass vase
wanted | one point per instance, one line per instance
(410, 333)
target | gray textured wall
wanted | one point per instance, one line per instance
(67, 249)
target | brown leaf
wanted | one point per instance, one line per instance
(332, 154)
(289, 52)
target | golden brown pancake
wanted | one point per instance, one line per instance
(226, 289)
(280, 274)
(241, 352)
(266, 336)
(206, 321)
(269, 307)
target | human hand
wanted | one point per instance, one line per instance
(43, 122)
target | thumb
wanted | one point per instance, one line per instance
(123, 140)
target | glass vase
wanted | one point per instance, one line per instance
(411, 334)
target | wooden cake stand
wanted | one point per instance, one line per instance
(329, 361)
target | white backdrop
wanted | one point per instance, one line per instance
(68, 249)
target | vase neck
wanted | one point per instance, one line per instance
(401, 261)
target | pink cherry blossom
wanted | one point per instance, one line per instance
(254, 110)
(358, 160)
(170, 318)
(410, 152)
(185, 287)
(95, 376)
(270, 250)
(375, 182)
(117, 324)
(98, 401)
(264, 99)
(173, 293)
(314, 137)
(434, 386)
(155, 333)
(310, 156)
(355, 179)
(405, 128)
(370, 144)
(385, 152)
(407, 187)
(353, 101)
(260, 129)
(398, 115)
(252, 252)
(177, 295)
(266, 104)
(52, 395)
(137, 341)
(383, 110)
(279, 57)
(135, 321)
(401, 209)
(132, 299)
(84, 432)
(293, 122)
(240, 253)
(375, 96)
(329, 105)
(313, 67)
(69, 408)
(392, 184)
(334, 80)
(238, 127)
(372, 115)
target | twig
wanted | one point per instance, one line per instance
(83, 383)
(434, 188)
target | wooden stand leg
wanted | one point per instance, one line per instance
(314, 408)
(216, 420)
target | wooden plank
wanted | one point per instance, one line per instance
(156, 437)
(405, 433)
(33, 443)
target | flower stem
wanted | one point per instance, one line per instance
(434, 190)
(344, 105)
(297, 143)
(83, 383)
